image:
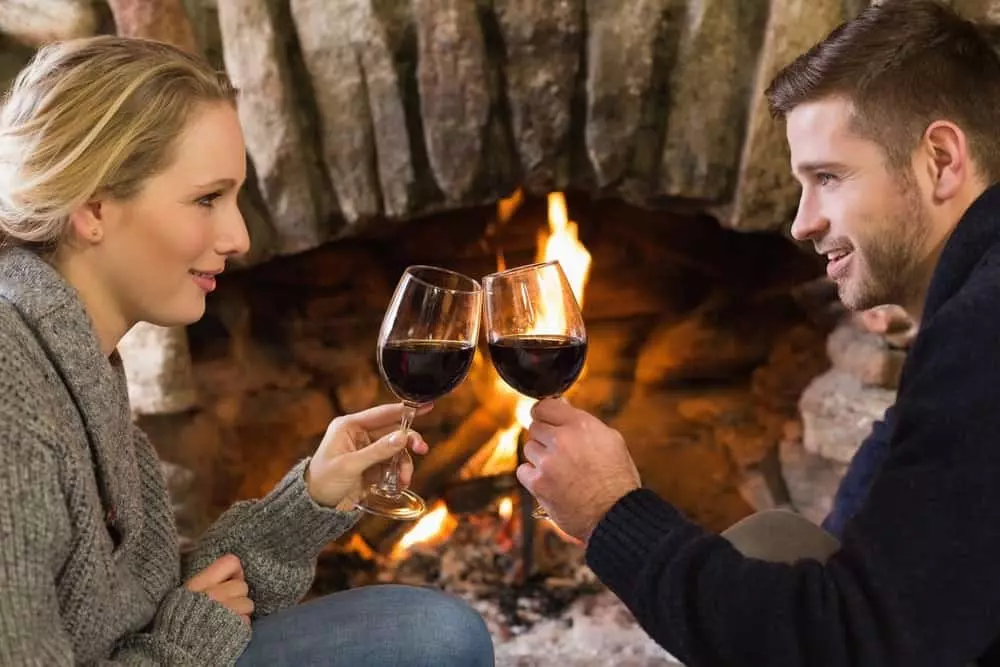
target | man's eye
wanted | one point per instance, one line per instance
(823, 178)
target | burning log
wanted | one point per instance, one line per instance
(435, 470)
(476, 494)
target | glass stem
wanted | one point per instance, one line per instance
(389, 486)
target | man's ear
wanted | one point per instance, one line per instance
(948, 163)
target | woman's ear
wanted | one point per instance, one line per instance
(87, 222)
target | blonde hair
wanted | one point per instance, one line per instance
(95, 116)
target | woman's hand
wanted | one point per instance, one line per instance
(347, 460)
(223, 581)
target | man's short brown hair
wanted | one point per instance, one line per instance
(904, 64)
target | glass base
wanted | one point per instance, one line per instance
(405, 506)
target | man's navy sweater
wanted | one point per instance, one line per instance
(917, 579)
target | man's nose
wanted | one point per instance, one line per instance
(809, 223)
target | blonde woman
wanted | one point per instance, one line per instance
(120, 161)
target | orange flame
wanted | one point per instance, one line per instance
(506, 508)
(435, 526)
(561, 242)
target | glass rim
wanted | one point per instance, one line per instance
(526, 267)
(475, 287)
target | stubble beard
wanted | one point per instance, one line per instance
(886, 266)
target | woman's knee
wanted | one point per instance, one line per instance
(451, 632)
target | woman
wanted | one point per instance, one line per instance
(120, 161)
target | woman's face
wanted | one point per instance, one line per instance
(159, 251)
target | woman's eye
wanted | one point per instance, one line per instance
(208, 199)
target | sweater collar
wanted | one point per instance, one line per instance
(54, 312)
(976, 232)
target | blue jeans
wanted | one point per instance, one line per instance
(385, 626)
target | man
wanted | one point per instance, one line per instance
(894, 127)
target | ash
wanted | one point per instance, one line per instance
(559, 613)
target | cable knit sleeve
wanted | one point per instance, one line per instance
(33, 529)
(189, 628)
(277, 538)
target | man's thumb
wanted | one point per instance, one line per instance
(381, 450)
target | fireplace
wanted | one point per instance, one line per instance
(701, 342)
(390, 133)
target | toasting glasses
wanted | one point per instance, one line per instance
(535, 331)
(425, 348)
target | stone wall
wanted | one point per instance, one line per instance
(837, 409)
(375, 110)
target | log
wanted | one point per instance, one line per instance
(454, 97)
(438, 468)
(476, 494)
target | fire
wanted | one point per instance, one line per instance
(506, 508)
(560, 242)
(563, 243)
(436, 525)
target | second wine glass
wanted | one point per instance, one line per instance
(425, 349)
(535, 331)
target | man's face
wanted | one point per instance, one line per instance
(869, 220)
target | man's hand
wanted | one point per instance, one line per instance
(577, 466)
(350, 457)
(223, 582)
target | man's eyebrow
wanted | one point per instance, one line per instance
(813, 167)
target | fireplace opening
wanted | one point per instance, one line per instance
(701, 342)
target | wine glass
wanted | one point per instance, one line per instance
(535, 332)
(425, 348)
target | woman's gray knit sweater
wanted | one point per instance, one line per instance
(90, 571)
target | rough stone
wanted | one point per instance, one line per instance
(37, 22)
(978, 10)
(542, 43)
(866, 356)
(163, 20)
(454, 95)
(709, 93)
(811, 480)
(289, 179)
(838, 412)
(766, 193)
(362, 121)
(158, 369)
(621, 51)
(348, 144)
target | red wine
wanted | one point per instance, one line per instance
(539, 366)
(420, 371)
